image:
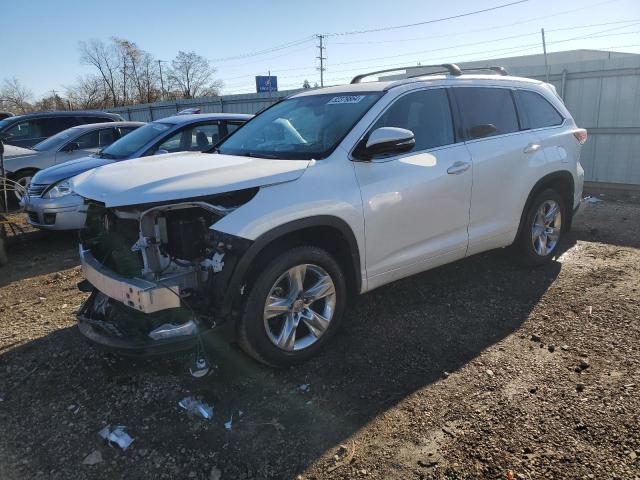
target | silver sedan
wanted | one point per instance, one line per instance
(76, 142)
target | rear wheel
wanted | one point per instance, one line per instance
(294, 307)
(542, 228)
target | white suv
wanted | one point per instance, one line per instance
(327, 193)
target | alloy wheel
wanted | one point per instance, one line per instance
(299, 307)
(547, 226)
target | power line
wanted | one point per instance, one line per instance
(266, 50)
(447, 35)
(427, 22)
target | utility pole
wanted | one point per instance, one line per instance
(161, 80)
(322, 58)
(544, 49)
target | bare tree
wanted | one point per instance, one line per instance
(191, 76)
(15, 97)
(88, 93)
(51, 102)
(140, 69)
(106, 60)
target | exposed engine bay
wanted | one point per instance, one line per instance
(159, 271)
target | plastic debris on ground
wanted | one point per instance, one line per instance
(594, 200)
(93, 458)
(304, 387)
(118, 435)
(228, 424)
(196, 407)
(199, 368)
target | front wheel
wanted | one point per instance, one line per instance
(542, 229)
(294, 307)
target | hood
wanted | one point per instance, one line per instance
(13, 151)
(174, 176)
(69, 169)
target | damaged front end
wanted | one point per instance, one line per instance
(158, 273)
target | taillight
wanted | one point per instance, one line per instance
(581, 136)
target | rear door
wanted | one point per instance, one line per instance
(416, 204)
(502, 154)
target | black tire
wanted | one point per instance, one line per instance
(524, 248)
(252, 333)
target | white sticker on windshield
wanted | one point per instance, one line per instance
(345, 99)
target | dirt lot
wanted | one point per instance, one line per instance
(467, 371)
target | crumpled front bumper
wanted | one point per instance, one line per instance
(99, 334)
(136, 293)
(153, 310)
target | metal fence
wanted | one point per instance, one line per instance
(244, 103)
(602, 95)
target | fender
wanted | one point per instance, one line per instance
(251, 254)
(549, 180)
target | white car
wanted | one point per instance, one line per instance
(326, 194)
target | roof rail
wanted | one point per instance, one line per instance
(450, 68)
(496, 69)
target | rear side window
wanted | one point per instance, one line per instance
(95, 119)
(537, 111)
(52, 125)
(24, 130)
(426, 113)
(487, 111)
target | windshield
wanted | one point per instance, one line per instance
(301, 127)
(135, 140)
(55, 142)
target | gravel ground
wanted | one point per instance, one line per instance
(479, 369)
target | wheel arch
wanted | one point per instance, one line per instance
(325, 231)
(561, 181)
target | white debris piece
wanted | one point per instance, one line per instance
(118, 435)
(197, 407)
(228, 424)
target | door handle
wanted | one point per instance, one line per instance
(532, 147)
(458, 167)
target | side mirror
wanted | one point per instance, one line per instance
(161, 151)
(385, 140)
(71, 147)
(482, 130)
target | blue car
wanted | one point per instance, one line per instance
(51, 205)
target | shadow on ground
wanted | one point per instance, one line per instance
(35, 253)
(395, 341)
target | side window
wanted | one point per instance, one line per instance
(173, 143)
(88, 140)
(487, 111)
(126, 130)
(203, 137)
(538, 112)
(24, 130)
(51, 126)
(93, 120)
(426, 113)
(106, 137)
(232, 127)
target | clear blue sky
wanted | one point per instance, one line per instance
(40, 37)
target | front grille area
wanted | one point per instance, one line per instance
(36, 189)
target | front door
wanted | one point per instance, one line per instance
(416, 204)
